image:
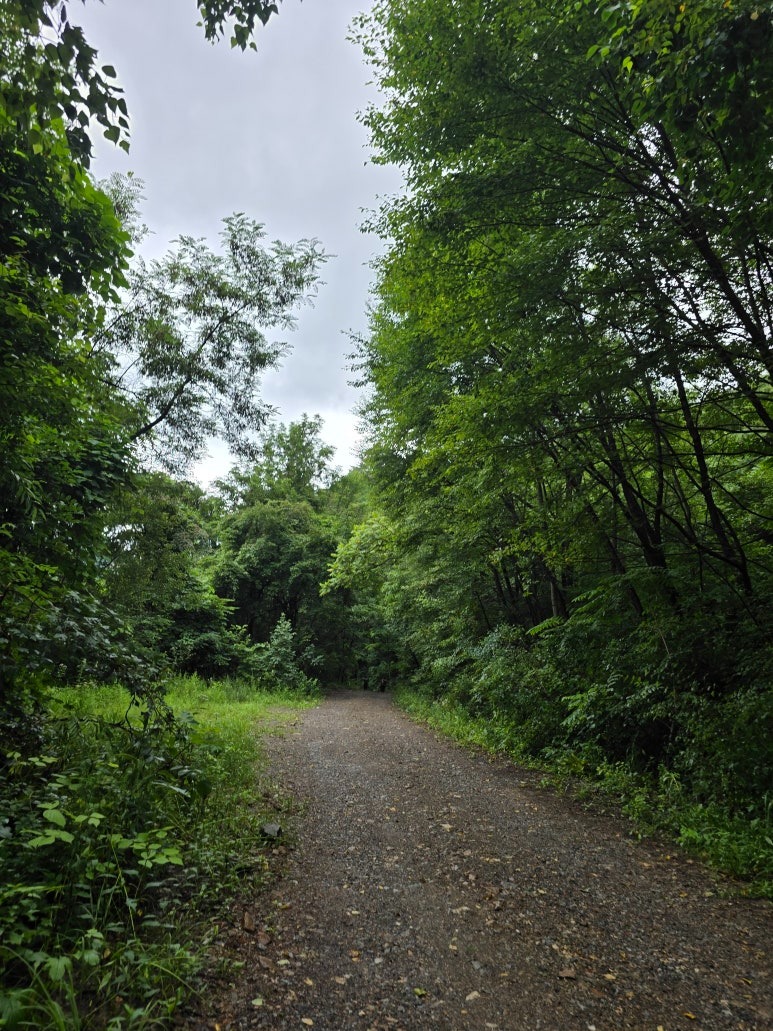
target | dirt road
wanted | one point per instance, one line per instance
(432, 888)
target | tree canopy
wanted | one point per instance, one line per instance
(106, 360)
(569, 364)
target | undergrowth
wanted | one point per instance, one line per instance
(737, 843)
(123, 834)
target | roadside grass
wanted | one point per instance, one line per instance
(731, 843)
(122, 842)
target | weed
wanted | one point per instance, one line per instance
(121, 836)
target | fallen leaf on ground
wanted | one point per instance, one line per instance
(420, 992)
(248, 921)
(472, 997)
(568, 973)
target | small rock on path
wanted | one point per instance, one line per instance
(433, 888)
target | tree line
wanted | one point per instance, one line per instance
(568, 367)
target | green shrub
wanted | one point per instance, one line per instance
(122, 828)
(279, 665)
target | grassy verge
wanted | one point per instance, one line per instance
(123, 836)
(730, 842)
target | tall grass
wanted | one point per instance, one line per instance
(121, 838)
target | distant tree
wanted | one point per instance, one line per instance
(189, 338)
(161, 537)
(280, 666)
(291, 463)
(272, 559)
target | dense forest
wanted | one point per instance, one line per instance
(558, 542)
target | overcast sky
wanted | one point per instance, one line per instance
(273, 134)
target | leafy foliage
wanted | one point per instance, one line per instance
(104, 363)
(280, 666)
(189, 337)
(61, 431)
(292, 463)
(51, 77)
(51, 73)
(277, 536)
(117, 837)
(569, 373)
(160, 538)
(241, 19)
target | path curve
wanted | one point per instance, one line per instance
(434, 888)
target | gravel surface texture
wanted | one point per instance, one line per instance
(434, 888)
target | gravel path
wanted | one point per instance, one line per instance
(432, 888)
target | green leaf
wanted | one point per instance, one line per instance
(57, 967)
(55, 816)
(48, 839)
